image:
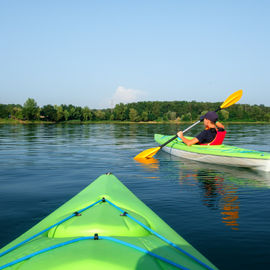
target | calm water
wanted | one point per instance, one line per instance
(223, 212)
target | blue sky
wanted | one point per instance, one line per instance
(98, 53)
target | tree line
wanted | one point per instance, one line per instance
(135, 112)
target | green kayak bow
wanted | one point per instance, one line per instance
(105, 226)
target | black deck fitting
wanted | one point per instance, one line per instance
(124, 214)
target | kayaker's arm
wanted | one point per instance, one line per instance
(219, 125)
(185, 140)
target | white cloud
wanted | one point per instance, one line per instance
(127, 95)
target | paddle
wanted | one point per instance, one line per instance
(232, 99)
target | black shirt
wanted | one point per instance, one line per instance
(207, 136)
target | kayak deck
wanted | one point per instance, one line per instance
(105, 226)
(217, 154)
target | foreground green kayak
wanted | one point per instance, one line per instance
(105, 226)
(217, 154)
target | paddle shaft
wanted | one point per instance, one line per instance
(187, 129)
(176, 136)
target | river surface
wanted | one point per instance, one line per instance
(223, 212)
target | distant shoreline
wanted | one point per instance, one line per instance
(37, 122)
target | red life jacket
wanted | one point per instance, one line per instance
(218, 139)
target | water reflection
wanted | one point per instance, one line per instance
(230, 205)
(211, 186)
(219, 186)
(31, 133)
(150, 164)
(237, 176)
(219, 195)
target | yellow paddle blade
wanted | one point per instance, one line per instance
(149, 160)
(233, 98)
(148, 153)
(150, 164)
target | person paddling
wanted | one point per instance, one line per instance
(209, 134)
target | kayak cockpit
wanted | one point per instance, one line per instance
(103, 219)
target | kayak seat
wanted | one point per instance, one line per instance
(103, 219)
(218, 139)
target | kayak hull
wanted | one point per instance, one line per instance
(254, 164)
(221, 155)
(102, 227)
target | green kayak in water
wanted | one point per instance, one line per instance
(105, 226)
(216, 154)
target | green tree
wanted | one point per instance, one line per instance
(186, 117)
(120, 111)
(3, 111)
(78, 115)
(144, 116)
(156, 109)
(224, 115)
(30, 110)
(171, 115)
(87, 114)
(100, 115)
(133, 115)
(146, 111)
(59, 113)
(17, 113)
(49, 112)
(256, 113)
(72, 113)
(66, 115)
(267, 117)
